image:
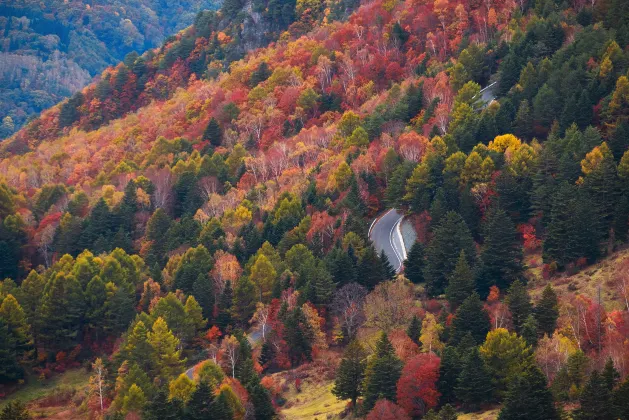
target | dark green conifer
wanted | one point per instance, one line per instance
(388, 272)
(474, 384)
(501, 256)
(460, 283)
(351, 373)
(595, 400)
(449, 371)
(450, 238)
(519, 303)
(213, 133)
(529, 398)
(471, 318)
(414, 329)
(414, 263)
(547, 311)
(382, 373)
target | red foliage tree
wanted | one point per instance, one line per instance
(417, 387)
(386, 410)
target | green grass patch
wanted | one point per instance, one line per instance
(315, 401)
(487, 415)
(34, 389)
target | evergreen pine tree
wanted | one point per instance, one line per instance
(388, 272)
(547, 311)
(595, 400)
(221, 409)
(14, 316)
(200, 405)
(369, 270)
(350, 374)
(610, 374)
(245, 299)
(165, 349)
(449, 371)
(213, 133)
(602, 185)
(341, 266)
(461, 282)
(267, 354)
(529, 398)
(61, 313)
(501, 256)
(450, 238)
(261, 402)
(519, 303)
(10, 369)
(414, 263)
(160, 408)
(473, 385)
(203, 292)
(528, 330)
(471, 318)
(619, 400)
(381, 375)
(297, 337)
(224, 318)
(414, 329)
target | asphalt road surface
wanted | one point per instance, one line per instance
(384, 235)
(488, 93)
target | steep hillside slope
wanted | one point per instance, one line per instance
(49, 50)
(224, 183)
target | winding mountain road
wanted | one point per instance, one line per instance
(385, 236)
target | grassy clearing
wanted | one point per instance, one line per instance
(584, 282)
(34, 389)
(315, 401)
(487, 415)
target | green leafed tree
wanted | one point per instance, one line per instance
(528, 397)
(351, 373)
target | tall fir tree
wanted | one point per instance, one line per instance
(595, 400)
(619, 400)
(414, 329)
(473, 385)
(501, 256)
(351, 373)
(10, 369)
(414, 263)
(450, 238)
(369, 270)
(388, 272)
(225, 304)
(381, 375)
(460, 283)
(161, 408)
(471, 318)
(519, 303)
(203, 291)
(200, 406)
(61, 313)
(245, 299)
(213, 133)
(449, 371)
(528, 397)
(547, 311)
(610, 374)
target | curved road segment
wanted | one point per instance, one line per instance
(385, 235)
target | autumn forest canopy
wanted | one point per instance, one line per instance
(192, 228)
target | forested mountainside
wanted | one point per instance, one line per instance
(194, 225)
(52, 49)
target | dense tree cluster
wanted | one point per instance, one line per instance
(195, 224)
(54, 49)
